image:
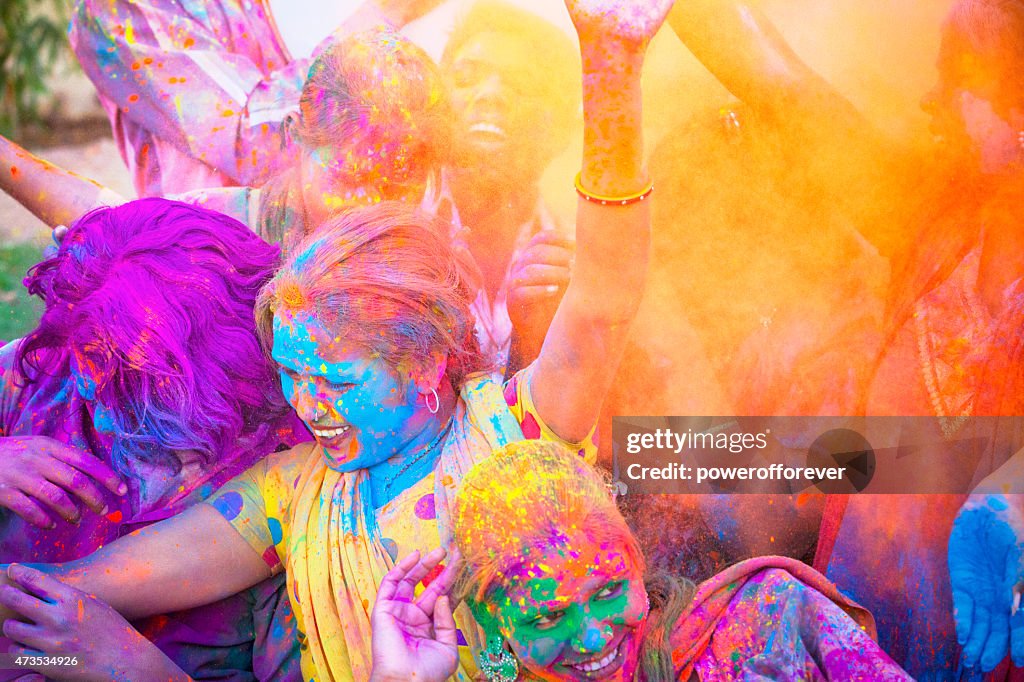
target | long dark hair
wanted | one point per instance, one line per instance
(670, 596)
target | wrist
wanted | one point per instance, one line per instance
(613, 48)
(1005, 507)
(154, 664)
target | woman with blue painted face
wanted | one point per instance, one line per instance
(370, 327)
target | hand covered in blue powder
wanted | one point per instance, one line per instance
(986, 548)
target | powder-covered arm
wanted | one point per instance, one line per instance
(986, 568)
(53, 194)
(750, 57)
(863, 169)
(191, 559)
(57, 196)
(588, 334)
(60, 623)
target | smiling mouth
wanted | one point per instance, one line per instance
(328, 434)
(488, 129)
(597, 668)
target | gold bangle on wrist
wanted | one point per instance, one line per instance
(612, 201)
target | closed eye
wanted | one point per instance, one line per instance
(340, 388)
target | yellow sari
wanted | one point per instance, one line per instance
(319, 523)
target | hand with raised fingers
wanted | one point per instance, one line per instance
(415, 637)
(632, 22)
(986, 567)
(41, 480)
(93, 642)
(538, 278)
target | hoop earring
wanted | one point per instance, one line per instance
(498, 664)
(437, 401)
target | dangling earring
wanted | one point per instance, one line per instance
(497, 663)
(437, 401)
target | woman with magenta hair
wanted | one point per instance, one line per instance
(143, 390)
(369, 324)
(558, 583)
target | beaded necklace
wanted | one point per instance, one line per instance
(389, 480)
(928, 351)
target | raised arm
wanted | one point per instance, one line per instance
(862, 170)
(747, 54)
(189, 560)
(167, 70)
(58, 196)
(54, 195)
(588, 334)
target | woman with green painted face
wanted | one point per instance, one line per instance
(558, 584)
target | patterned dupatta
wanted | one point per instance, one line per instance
(336, 556)
(745, 601)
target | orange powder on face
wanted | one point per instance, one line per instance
(291, 296)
